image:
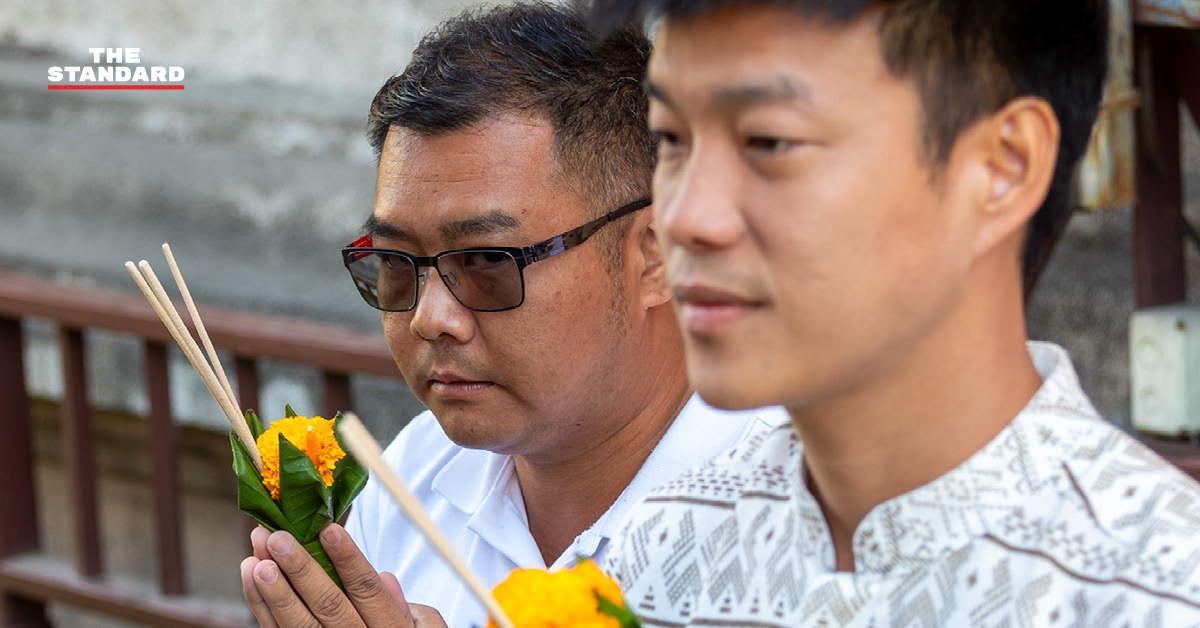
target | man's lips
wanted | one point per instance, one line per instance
(708, 309)
(453, 386)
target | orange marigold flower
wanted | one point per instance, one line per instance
(314, 437)
(534, 598)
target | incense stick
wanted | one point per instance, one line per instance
(200, 330)
(363, 447)
(157, 296)
(354, 435)
(190, 346)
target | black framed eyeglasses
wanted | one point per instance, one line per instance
(483, 279)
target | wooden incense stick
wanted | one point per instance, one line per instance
(157, 296)
(190, 346)
(358, 441)
(200, 330)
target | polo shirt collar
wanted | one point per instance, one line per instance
(484, 487)
(675, 453)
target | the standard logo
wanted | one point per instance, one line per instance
(115, 68)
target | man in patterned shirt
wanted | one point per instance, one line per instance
(850, 196)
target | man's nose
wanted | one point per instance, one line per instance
(438, 314)
(698, 206)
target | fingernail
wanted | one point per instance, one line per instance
(331, 536)
(268, 574)
(280, 544)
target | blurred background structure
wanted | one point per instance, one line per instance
(257, 173)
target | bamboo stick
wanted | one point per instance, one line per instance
(200, 330)
(166, 311)
(362, 445)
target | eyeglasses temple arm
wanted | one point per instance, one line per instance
(579, 235)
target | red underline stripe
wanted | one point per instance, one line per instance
(114, 87)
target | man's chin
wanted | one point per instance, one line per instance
(723, 386)
(724, 396)
(471, 437)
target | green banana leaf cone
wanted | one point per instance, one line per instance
(305, 504)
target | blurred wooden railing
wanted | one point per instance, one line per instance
(26, 584)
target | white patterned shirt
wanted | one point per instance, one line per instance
(474, 497)
(1061, 520)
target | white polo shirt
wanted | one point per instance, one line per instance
(474, 497)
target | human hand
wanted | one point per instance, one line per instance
(305, 597)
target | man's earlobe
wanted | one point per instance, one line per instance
(1021, 141)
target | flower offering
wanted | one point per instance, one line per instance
(297, 477)
(315, 436)
(307, 481)
(583, 597)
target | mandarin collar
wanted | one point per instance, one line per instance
(1018, 469)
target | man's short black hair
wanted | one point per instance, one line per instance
(968, 58)
(541, 59)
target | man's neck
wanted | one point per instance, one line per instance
(564, 498)
(566, 495)
(928, 415)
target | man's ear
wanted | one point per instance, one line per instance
(1020, 149)
(652, 272)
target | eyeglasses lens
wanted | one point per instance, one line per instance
(484, 281)
(386, 282)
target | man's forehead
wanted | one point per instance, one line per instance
(743, 55)
(492, 178)
(529, 130)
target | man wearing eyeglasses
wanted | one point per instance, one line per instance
(524, 299)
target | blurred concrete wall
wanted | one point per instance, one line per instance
(328, 44)
(257, 173)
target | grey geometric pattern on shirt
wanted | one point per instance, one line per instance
(1062, 520)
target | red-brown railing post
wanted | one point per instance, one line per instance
(337, 393)
(1158, 228)
(18, 516)
(21, 613)
(79, 451)
(246, 373)
(164, 472)
(25, 584)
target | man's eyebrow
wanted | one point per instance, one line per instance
(376, 227)
(655, 91)
(484, 224)
(777, 89)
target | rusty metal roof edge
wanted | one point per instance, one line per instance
(1180, 13)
